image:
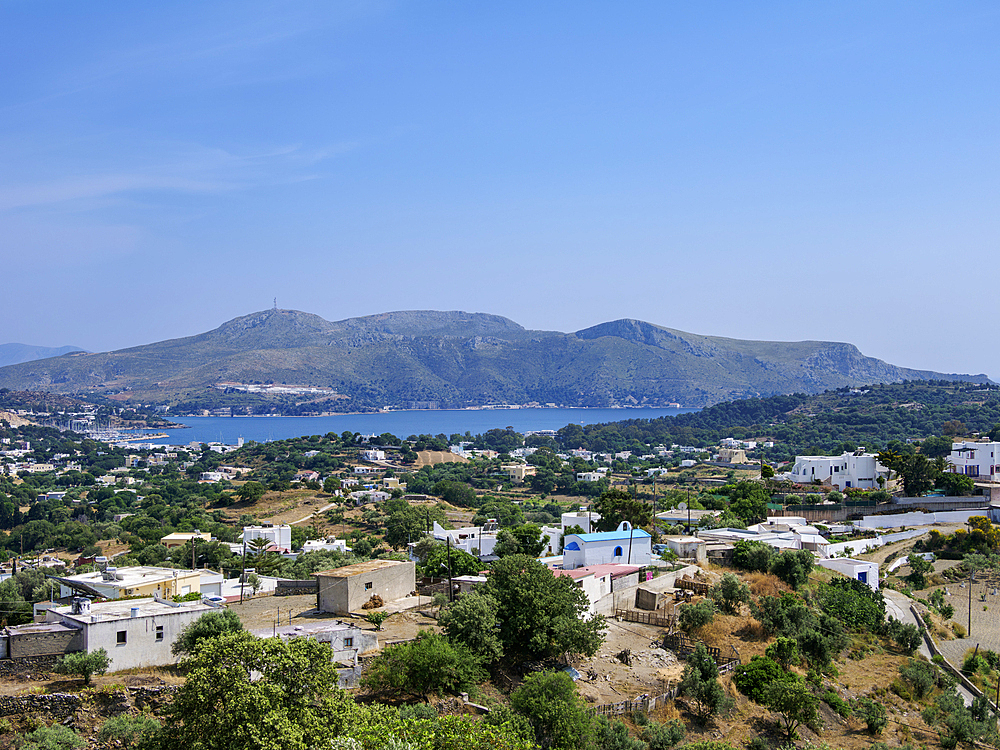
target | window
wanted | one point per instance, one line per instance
(348, 642)
(122, 637)
(159, 632)
(618, 552)
(368, 586)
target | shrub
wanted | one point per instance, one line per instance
(730, 593)
(694, 616)
(838, 704)
(557, 714)
(754, 678)
(873, 714)
(793, 566)
(613, 735)
(128, 729)
(920, 675)
(906, 636)
(662, 736)
(55, 737)
(753, 556)
(83, 664)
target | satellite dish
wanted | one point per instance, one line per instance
(682, 506)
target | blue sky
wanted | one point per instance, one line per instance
(775, 170)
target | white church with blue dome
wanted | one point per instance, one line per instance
(623, 545)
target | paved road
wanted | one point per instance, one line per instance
(897, 606)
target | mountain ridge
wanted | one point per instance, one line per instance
(459, 359)
(14, 354)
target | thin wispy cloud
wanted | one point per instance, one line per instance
(199, 171)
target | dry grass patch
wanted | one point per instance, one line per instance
(765, 584)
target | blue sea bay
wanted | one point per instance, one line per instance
(399, 423)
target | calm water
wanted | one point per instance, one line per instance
(399, 423)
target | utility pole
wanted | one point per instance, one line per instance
(451, 586)
(972, 577)
(630, 529)
(243, 572)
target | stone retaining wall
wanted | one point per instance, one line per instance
(56, 705)
(27, 666)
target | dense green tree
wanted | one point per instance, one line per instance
(462, 563)
(251, 492)
(616, 506)
(936, 447)
(700, 684)
(557, 714)
(540, 614)
(530, 539)
(854, 604)
(748, 501)
(955, 485)
(919, 568)
(247, 693)
(15, 608)
(209, 625)
(784, 651)
(753, 556)
(755, 677)
(793, 566)
(507, 544)
(730, 593)
(427, 665)
(795, 702)
(472, 622)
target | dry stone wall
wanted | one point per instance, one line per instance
(27, 667)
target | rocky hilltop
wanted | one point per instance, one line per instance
(454, 359)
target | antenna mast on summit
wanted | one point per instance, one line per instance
(275, 303)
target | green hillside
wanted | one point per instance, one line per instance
(450, 359)
(801, 424)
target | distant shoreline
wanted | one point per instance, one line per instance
(416, 411)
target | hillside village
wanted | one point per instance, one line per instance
(667, 595)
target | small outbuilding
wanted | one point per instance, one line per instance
(344, 590)
(860, 570)
(687, 547)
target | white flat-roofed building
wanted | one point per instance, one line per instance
(476, 540)
(975, 459)
(856, 469)
(326, 545)
(279, 536)
(135, 633)
(141, 580)
(865, 571)
(585, 519)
